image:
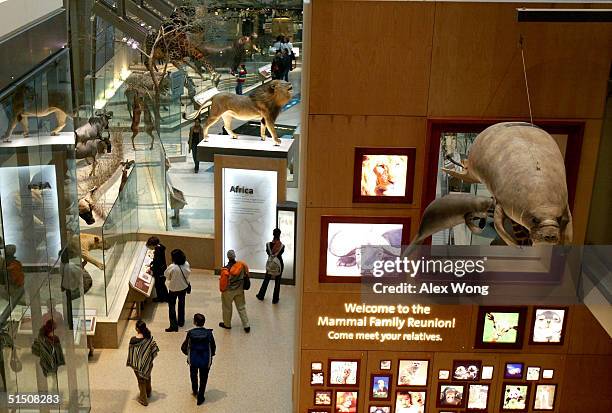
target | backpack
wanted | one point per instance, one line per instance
(273, 264)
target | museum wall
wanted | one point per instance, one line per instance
(380, 73)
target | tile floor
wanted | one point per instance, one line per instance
(246, 368)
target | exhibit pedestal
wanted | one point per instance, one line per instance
(245, 145)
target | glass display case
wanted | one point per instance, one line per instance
(41, 290)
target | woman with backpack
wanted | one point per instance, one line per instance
(274, 266)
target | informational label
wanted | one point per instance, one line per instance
(177, 83)
(286, 223)
(249, 214)
(384, 323)
(30, 216)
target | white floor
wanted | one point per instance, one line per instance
(251, 372)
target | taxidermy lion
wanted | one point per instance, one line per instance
(264, 103)
(21, 98)
(87, 243)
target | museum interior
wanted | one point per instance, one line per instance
(424, 186)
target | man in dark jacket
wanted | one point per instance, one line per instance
(158, 266)
(199, 346)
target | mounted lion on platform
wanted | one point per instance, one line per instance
(264, 103)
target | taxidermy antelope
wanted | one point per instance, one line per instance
(137, 109)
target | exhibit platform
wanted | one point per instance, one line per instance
(18, 141)
(245, 145)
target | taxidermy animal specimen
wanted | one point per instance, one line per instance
(90, 149)
(264, 103)
(93, 128)
(523, 169)
(21, 115)
(85, 243)
(173, 45)
(137, 109)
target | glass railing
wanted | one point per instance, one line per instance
(119, 235)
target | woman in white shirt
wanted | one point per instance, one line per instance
(177, 280)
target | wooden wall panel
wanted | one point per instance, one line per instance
(331, 143)
(370, 58)
(476, 67)
(586, 178)
(586, 385)
(586, 335)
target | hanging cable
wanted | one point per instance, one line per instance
(521, 45)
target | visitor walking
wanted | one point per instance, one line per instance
(199, 347)
(277, 65)
(274, 266)
(196, 134)
(48, 349)
(240, 79)
(177, 275)
(278, 45)
(287, 65)
(141, 353)
(234, 280)
(158, 266)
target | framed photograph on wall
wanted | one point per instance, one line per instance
(545, 395)
(346, 401)
(478, 397)
(533, 373)
(379, 409)
(500, 327)
(514, 397)
(443, 375)
(407, 401)
(385, 364)
(451, 395)
(317, 378)
(319, 410)
(466, 370)
(513, 370)
(486, 373)
(323, 397)
(380, 387)
(384, 175)
(548, 325)
(350, 245)
(316, 365)
(412, 373)
(344, 372)
(548, 373)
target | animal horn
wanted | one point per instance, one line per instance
(498, 219)
(193, 115)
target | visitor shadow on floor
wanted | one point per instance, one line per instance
(214, 395)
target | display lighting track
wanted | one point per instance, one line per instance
(565, 15)
(124, 24)
(143, 14)
(165, 8)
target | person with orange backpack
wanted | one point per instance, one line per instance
(233, 282)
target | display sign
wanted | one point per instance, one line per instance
(286, 222)
(205, 96)
(266, 71)
(177, 83)
(144, 280)
(249, 214)
(30, 215)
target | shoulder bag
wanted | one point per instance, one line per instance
(188, 289)
(273, 264)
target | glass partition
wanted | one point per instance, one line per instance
(43, 347)
(119, 235)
